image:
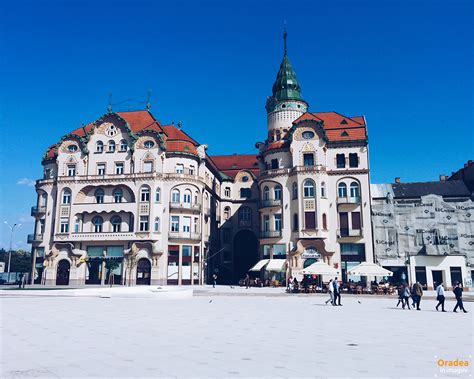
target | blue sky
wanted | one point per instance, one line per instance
(406, 65)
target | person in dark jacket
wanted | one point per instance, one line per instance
(400, 292)
(418, 292)
(458, 293)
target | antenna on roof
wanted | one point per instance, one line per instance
(109, 107)
(285, 34)
(148, 104)
(180, 124)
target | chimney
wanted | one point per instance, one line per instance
(397, 180)
(443, 178)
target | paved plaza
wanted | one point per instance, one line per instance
(228, 334)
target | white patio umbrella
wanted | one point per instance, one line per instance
(369, 269)
(320, 268)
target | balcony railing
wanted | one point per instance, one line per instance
(102, 236)
(36, 211)
(275, 172)
(270, 233)
(349, 233)
(348, 200)
(314, 168)
(184, 235)
(270, 203)
(186, 206)
(32, 238)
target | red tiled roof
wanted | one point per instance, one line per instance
(174, 133)
(180, 147)
(339, 127)
(51, 152)
(232, 164)
(83, 130)
(140, 120)
(176, 140)
(277, 145)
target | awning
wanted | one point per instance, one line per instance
(275, 265)
(259, 265)
(320, 268)
(369, 269)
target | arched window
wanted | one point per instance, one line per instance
(308, 188)
(116, 222)
(245, 214)
(99, 147)
(323, 189)
(175, 196)
(295, 222)
(342, 190)
(123, 145)
(158, 195)
(99, 195)
(118, 195)
(226, 213)
(145, 194)
(266, 193)
(277, 192)
(66, 196)
(187, 197)
(325, 222)
(111, 146)
(157, 224)
(354, 189)
(98, 222)
(196, 197)
(295, 190)
(43, 201)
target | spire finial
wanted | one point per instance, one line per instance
(109, 107)
(284, 37)
(148, 103)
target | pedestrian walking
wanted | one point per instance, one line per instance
(331, 293)
(458, 293)
(20, 280)
(289, 285)
(214, 280)
(337, 292)
(247, 281)
(400, 291)
(418, 290)
(440, 297)
(406, 297)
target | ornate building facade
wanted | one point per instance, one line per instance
(130, 200)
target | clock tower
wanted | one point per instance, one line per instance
(286, 103)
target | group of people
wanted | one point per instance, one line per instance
(334, 289)
(294, 286)
(416, 293)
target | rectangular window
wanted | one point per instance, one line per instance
(64, 225)
(352, 252)
(274, 163)
(278, 222)
(191, 170)
(196, 225)
(101, 169)
(71, 170)
(245, 193)
(340, 161)
(119, 168)
(310, 220)
(42, 226)
(266, 251)
(179, 168)
(227, 192)
(187, 250)
(279, 251)
(308, 159)
(456, 275)
(77, 226)
(344, 223)
(266, 223)
(143, 223)
(356, 224)
(353, 160)
(175, 223)
(148, 166)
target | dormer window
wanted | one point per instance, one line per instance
(308, 134)
(344, 134)
(343, 122)
(149, 144)
(72, 148)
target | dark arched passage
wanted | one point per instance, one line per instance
(245, 253)
(62, 275)
(143, 271)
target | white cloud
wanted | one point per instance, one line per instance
(26, 182)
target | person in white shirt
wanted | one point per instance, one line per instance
(440, 297)
(331, 293)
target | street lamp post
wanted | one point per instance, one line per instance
(12, 228)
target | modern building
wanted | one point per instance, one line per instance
(424, 231)
(129, 199)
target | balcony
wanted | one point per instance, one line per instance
(270, 233)
(102, 236)
(341, 233)
(314, 168)
(38, 211)
(348, 200)
(184, 236)
(104, 207)
(192, 207)
(34, 238)
(274, 172)
(270, 203)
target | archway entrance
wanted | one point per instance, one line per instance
(62, 275)
(245, 253)
(143, 271)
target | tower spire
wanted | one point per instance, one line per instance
(285, 34)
